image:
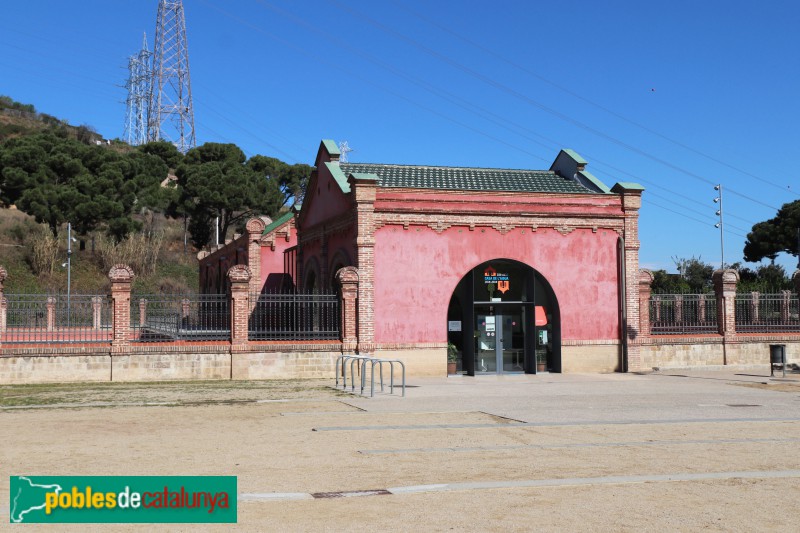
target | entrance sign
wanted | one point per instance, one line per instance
(490, 275)
(453, 325)
(489, 323)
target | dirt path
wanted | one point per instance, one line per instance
(717, 475)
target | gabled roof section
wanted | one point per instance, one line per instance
(465, 179)
(278, 222)
(570, 165)
(591, 178)
(339, 176)
(330, 146)
(626, 186)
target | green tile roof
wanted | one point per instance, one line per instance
(466, 179)
(278, 222)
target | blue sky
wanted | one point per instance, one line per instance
(677, 95)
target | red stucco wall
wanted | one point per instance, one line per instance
(272, 260)
(417, 270)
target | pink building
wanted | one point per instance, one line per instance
(518, 270)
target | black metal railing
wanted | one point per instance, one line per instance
(683, 314)
(56, 318)
(760, 313)
(180, 317)
(294, 316)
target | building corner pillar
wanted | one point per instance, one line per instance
(631, 203)
(364, 187)
(255, 227)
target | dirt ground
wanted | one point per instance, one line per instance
(489, 472)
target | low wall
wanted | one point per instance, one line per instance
(163, 363)
(423, 360)
(714, 351)
(590, 357)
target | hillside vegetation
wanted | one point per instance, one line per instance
(148, 206)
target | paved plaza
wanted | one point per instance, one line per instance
(681, 451)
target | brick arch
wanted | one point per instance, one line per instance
(340, 260)
(311, 275)
(538, 291)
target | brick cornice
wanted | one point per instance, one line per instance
(503, 224)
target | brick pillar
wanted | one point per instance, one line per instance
(51, 313)
(364, 187)
(645, 290)
(186, 309)
(142, 311)
(3, 304)
(725, 290)
(239, 277)
(678, 308)
(255, 227)
(755, 304)
(701, 308)
(348, 280)
(121, 277)
(786, 297)
(97, 312)
(631, 202)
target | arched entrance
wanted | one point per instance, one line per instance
(503, 317)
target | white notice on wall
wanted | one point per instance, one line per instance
(489, 323)
(544, 336)
(453, 325)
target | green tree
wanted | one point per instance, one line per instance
(695, 273)
(774, 236)
(166, 151)
(215, 182)
(292, 179)
(58, 180)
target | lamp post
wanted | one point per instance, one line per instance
(720, 225)
(68, 264)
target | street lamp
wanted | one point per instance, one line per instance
(720, 225)
(68, 264)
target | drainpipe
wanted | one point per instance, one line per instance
(623, 308)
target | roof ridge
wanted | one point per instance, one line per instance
(397, 165)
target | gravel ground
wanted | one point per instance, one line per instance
(518, 453)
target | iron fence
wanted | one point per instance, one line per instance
(683, 314)
(180, 317)
(58, 318)
(776, 312)
(294, 316)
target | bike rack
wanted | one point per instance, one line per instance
(362, 361)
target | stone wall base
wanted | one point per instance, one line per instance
(419, 362)
(200, 364)
(593, 358)
(54, 369)
(712, 353)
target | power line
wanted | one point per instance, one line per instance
(566, 90)
(530, 101)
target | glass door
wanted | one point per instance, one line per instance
(485, 341)
(511, 343)
(499, 340)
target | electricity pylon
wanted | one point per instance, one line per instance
(171, 114)
(139, 89)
